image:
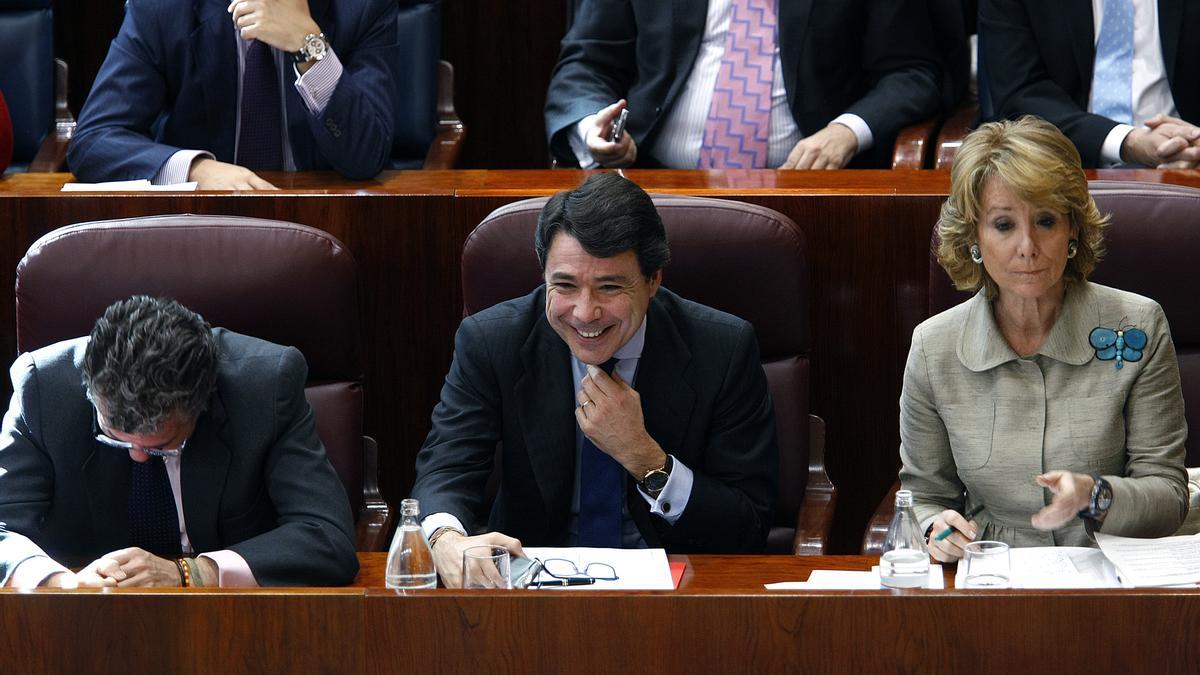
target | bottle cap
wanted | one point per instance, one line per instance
(409, 507)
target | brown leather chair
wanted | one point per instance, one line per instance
(287, 283)
(716, 247)
(1152, 246)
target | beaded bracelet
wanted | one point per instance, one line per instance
(185, 573)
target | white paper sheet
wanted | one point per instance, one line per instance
(1055, 567)
(849, 580)
(129, 186)
(1168, 561)
(638, 569)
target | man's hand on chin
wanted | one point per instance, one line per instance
(610, 414)
(448, 553)
(210, 174)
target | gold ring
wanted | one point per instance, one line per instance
(587, 403)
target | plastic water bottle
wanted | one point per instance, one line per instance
(905, 560)
(410, 561)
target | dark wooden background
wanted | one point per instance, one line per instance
(502, 52)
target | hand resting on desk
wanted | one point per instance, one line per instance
(448, 553)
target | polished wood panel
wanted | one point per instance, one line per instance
(720, 619)
(867, 235)
(183, 632)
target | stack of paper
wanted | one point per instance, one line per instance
(849, 580)
(128, 186)
(1169, 561)
(643, 569)
(1055, 567)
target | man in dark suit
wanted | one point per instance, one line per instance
(1040, 59)
(848, 74)
(210, 91)
(166, 452)
(676, 448)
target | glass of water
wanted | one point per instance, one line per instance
(486, 567)
(987, 564)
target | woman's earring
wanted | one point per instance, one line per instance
(977, 255)
(1072, 248)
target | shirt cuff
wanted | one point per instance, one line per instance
(177, 166)
(434, 521)
(674, 497)
(859, 127)
(316, 86)
(579, 145)
(1110, 152)
(32, 571)
(232, 570)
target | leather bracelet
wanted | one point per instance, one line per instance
(193, 566)
(437, 534)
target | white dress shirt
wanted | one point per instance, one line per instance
(678, 144)
(1151, 90)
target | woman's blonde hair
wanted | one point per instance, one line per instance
(1041, 166)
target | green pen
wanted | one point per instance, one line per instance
(950, 530)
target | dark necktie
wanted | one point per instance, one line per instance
(153, 521)
(260, 143)
(601, 492)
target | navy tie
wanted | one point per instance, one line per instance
(153, 521)
(260, 143)
(601, 492)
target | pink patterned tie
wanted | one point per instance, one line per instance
(735, 135)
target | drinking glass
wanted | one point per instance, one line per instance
(987, 564)
(486, 567)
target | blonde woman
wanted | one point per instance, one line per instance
(1051, 402)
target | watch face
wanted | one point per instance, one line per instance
(314, 47)
(655, 482)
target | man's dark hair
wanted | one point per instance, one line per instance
(608, 214)
(147, 360)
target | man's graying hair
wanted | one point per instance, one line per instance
(608, 214)
(147, 360)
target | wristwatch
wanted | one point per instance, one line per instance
(1100, 501)
(314, 48)
(656, 479)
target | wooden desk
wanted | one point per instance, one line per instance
(720, 620)
(867, 236)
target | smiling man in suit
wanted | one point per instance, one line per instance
(214, 92)
(167, 453)
(798, 84)
(629, 417)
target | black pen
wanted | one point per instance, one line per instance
(564, 582)
(970, 514)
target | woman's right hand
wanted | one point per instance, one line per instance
(950, 549)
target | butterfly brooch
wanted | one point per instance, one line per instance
(1122, 344)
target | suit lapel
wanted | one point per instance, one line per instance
(106, 478)
(792, 32)
(687, 28)
(667, 397)
(1083, 43)
(1170, 22)
(545, 411)
(205, 464)
(213, 49)
(667, 403)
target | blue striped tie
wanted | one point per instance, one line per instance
(1112, 81)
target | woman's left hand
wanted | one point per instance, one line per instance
(1072, 492)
